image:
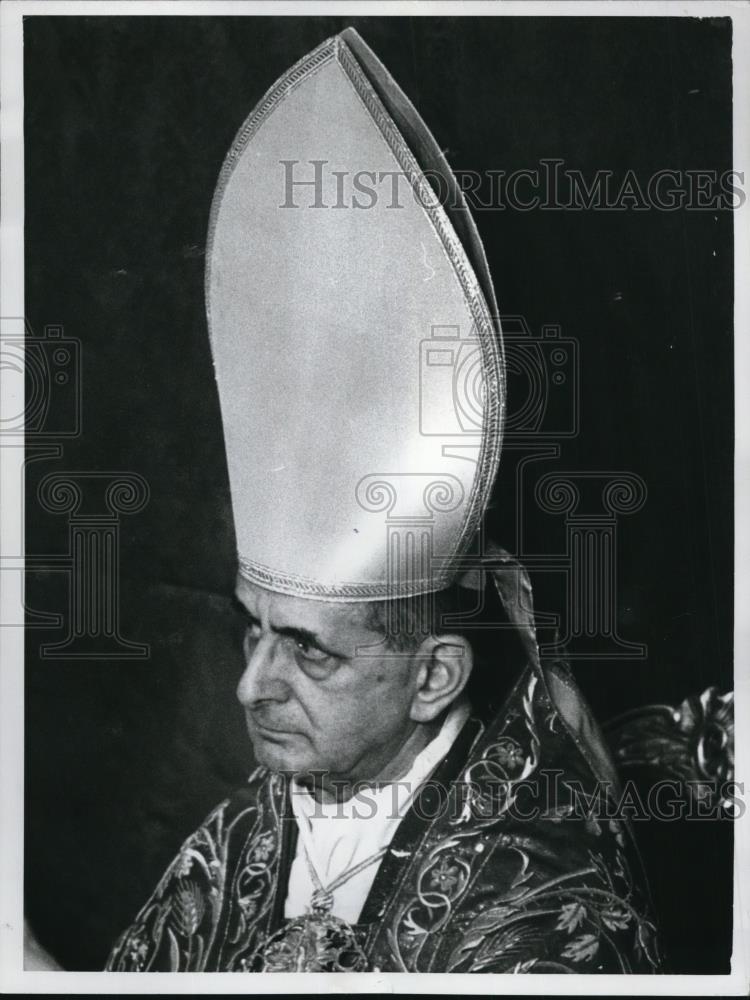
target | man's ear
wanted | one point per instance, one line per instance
(443, 667)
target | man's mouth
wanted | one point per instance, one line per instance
(265, 729)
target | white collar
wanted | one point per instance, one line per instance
(365, 826)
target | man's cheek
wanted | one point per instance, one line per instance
(336, 728)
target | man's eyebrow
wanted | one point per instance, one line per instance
(293, 632)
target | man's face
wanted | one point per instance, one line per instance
(313, 700)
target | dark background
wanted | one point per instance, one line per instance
(127, 121)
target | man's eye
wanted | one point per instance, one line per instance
(253, 630)
(310, 652)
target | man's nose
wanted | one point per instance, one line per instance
(264, 677)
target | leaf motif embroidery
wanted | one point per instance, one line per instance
(412, 929)
(482, 925)
(188, 907)
(592, 826)
(526, 966)
(490, 920)
(616, 828)
(582, 948)
(616, 919)
(501, 951)
(571, 916)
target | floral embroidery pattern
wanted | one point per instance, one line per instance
(535, 911)
(508, 753)
(264, 848)
(178, 928)
(445, 876)
(586, 917)
(137, 951)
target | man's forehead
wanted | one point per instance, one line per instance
(286, 611)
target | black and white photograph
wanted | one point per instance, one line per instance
(371, 563)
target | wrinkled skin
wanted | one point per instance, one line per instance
(322, 693)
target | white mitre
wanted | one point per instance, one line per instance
(355, 342)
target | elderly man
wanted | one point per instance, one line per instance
(427, 792)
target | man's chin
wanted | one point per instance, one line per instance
(279, 755)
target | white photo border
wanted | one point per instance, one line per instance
(13, 978)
